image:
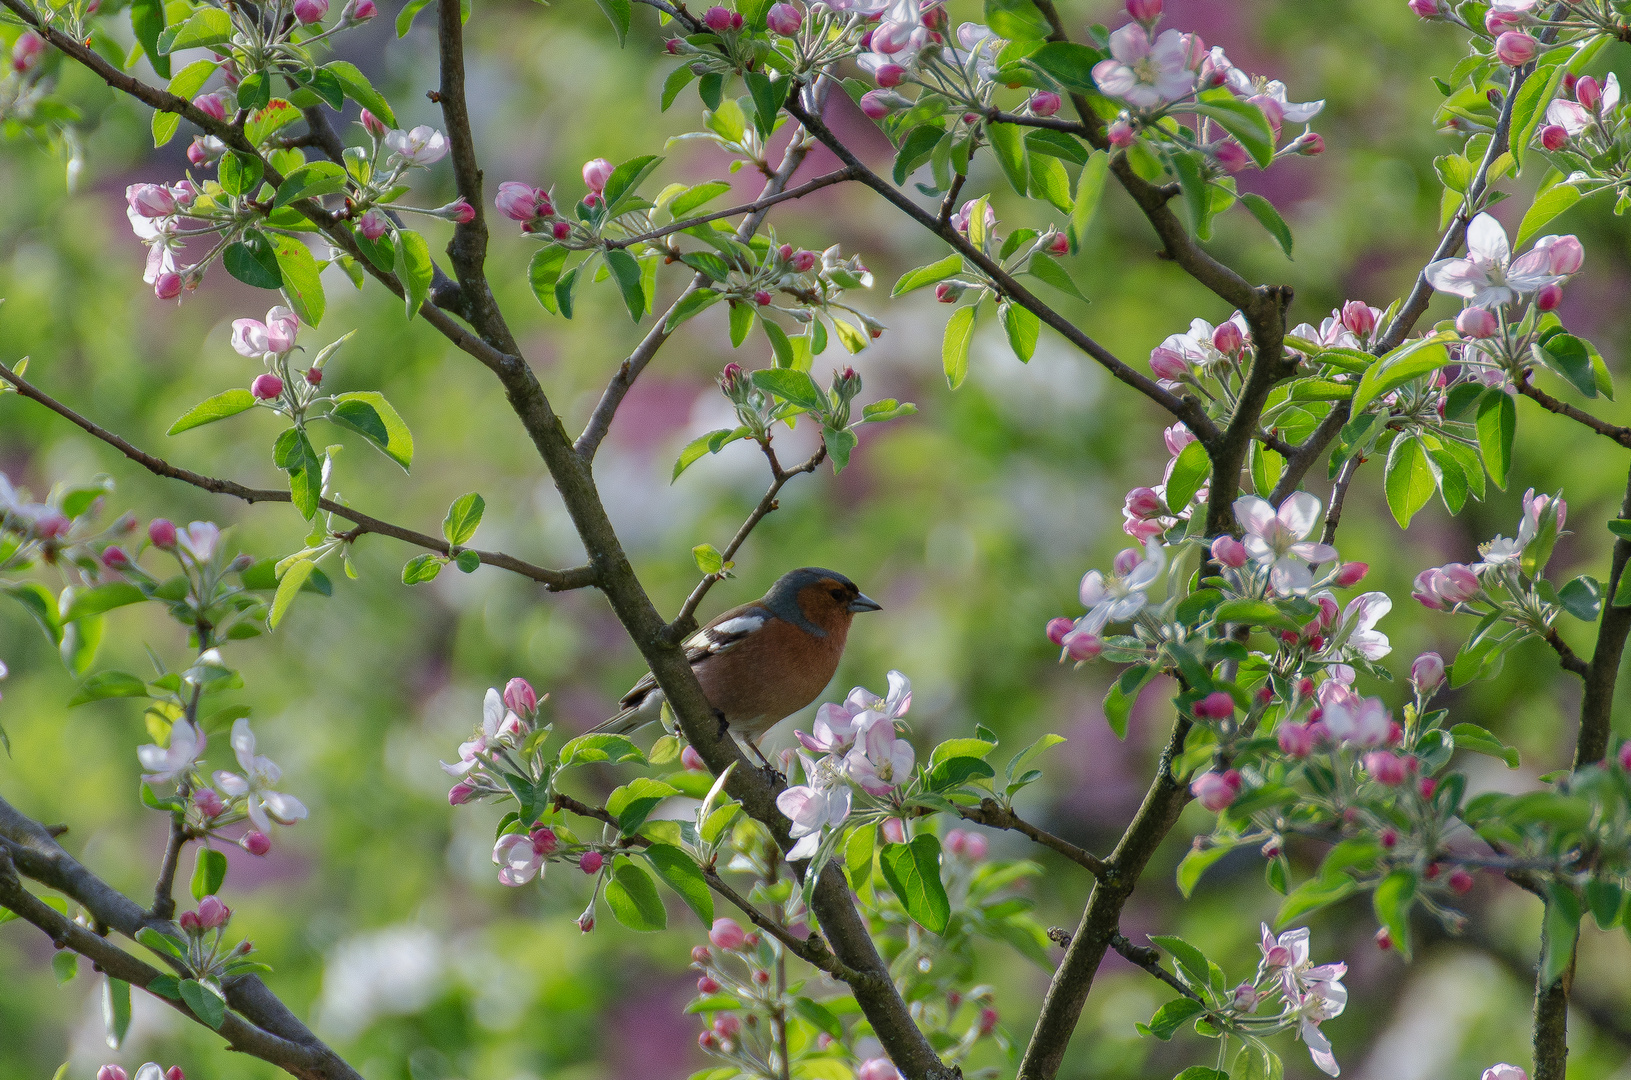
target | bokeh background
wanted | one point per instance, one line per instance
(971, 522)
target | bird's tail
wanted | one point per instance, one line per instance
(648, 709)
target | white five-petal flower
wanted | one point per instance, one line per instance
(1277, 539)
(1116, 598)
(1146, 73)
(263, 804)
(168, 763)
(424, 145)
(1488, 276)
(812, 807)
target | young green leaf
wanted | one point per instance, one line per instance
(209, 871)
(632, 896)
(954, 347)
(913, 873)
(463, 518)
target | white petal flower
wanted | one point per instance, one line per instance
(167, 763)
(424, 145)
(263, 803)
(1118, 598)
(1488, 277)
(1147, 73)
(1275, 539)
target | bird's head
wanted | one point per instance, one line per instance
(818, 601)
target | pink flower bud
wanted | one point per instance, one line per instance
(975, 847)
(955, 841)
(314, 376)
(1231, 156)
(188, 922)
(762, 978)
(1475, 322)
(590, 862)
(1386, 767)
(1080, 645)
(26, 52)
(692, 760)
(1058, 244)
(706, 985)
(803, 261)
(459, 794)
(717, 19)
(167, 286)
(359, 11)
(1217, 705)
(1549, 297)
(1309, 144)
(707, 1040)
(1565, 255)
(1228, 551)
(762, 298)
(1496, 22)
(114, 558)
(1168, 364)
(727, 934)
(784, 19)
(1554, 137)
(544, 840)
(701, 955)
(458, 211)
(988, 1020)
(519, 202)
(736, 20)
(1143, 502)
(198, 154)
(1227, 339)
(1296, 740)
(1570, 81)
(1427, 673)
(209, 803)
(1359, 317)
(374, 225)
(876, 1069)
(1145, 11)
(174, 1073)
(673, 46)
(520, 697)
(1389, 838)
(373, 124)
(1215, 791)
(1045, 103)
(1384, 940)
(1057, 629)
(1516, 48)
(876, 104)
(266, 387)
(212, 913)
(560, 230)
(1427, 9)
(889, 76)
(1588, 92)
(1427, 785)
(213, 105)
(257, 843)
(151, 200)
(1125, 560)
(1460, 882)
(310, 11)
(1350, 574)
(1120, 134)
(949, 292)
(597, 171)
(111, 1072)
(162, 533)
(1245, 998)
(894, 829)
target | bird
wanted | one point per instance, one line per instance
(765, 660)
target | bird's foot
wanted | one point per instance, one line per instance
(724, 725)
(771, 774)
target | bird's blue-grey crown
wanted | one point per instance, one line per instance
(782, 599)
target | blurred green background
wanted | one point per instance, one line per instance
(971, 522)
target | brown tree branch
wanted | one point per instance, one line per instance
(838, 176)
(1597, 704)
(554, 580)
(1621, 435)
(992, 813)
(1150, 960)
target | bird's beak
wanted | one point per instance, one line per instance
(864, 602)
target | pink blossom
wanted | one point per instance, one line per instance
(359, 11)
(838, 725)
(1350, 574)
(1588, 92)
(1215, 791)
(1045, 103)
(422, 146)
(162, 533)
(1176, 438)
(1080, 645)
(876, 104)
(1388, 768)
(151, 200)
(1309, 144)
(987, 1022)
(876, 1069)
(1168, 364)
(804, 261)
(1427, 673)
(727, 933)
(590, 862)
(1217, 705)
(880, 761)
(1144, 72)
(266, 387)
(1231, 157)
(1427, 9)
(1120, 134)
(1550, 297)
(1365, 724)
(1460, 882)
(1058, 628)
(1123, 595)
(1143, 502)
(275, 336)
(1145, 11)
(717, 19)
(784, 19)
(1477, 323)
(1058, 244)
(888, 77)
(111, 1072)
(209, 803)
(1516, 48)
(1230, 552)
(523, 856)
(213, 105)
(459, 794)
(894, 830)
(373, 124)
(1359, 317)
(814, 807)
(26, 52)
(257, 843)
(1488, 276)
(959, 220)
(374, 225)
(522, 202)
(212, 913)
(1276, 538)
(310, 11)
(1297, 740)
(1245, 998)
(1504, 1071)
(1554, 137)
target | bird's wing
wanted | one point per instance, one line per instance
(718, 636)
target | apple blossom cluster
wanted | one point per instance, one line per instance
(213, 803)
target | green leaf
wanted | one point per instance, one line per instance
(1189, 472)
(240, 173)
(108, 684)
(1197, 194)
(186, 85)
(1547, 205)
(768, 95)
(1529, 106)
(1481, 741)
(1561, 928)
(1194, 962)
(1089, 189)
(1568, 356)
(398, 442)
(219, 407)
(1254, 613)
(543, 272)
(463, 518)
(1412, 477)
(626, 178)
(1195, 863)
(116, 1011)
(100, 598)
(293, 454)
(1243, 120)
(1497, 425)
(413, 269)
(741, 323)
(1582, 598)
(65, 965)
(288, 586)
(302, 281)
(692, 304)
(359, 89)
(147, 21)
(1123, 694)
(913, 873)
(468, 562)
(1407, 362)
(205, 1000)
(632, 896)
(1017, 20)
(1022, 327)
(1049, 181)
(934, 272)
(1008, 144)
(708, 558)
(1069, 63)
(1047, 268)
(681, 873)
(209, 873)
(1268, 217)
(405, 17)
(421, 568)
(310, 181)
(627, 272)
(1173, 1015)
(794, 386)
(1395, 895)
(689, 200)
(954, 347)
(620, 13)
(599, 746)
(204, 28)
(253, 260)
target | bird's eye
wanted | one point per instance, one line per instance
(838, 594)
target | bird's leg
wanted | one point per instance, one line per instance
(724, 725)
(772, 774)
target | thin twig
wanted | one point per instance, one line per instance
(994, 814)
(555, 580)
(760, 204)
(685, 622)
(1339, 495)
(1621, 435)
(1150, 960)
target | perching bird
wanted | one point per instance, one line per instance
(764, 661)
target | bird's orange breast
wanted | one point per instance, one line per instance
(771, 674)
